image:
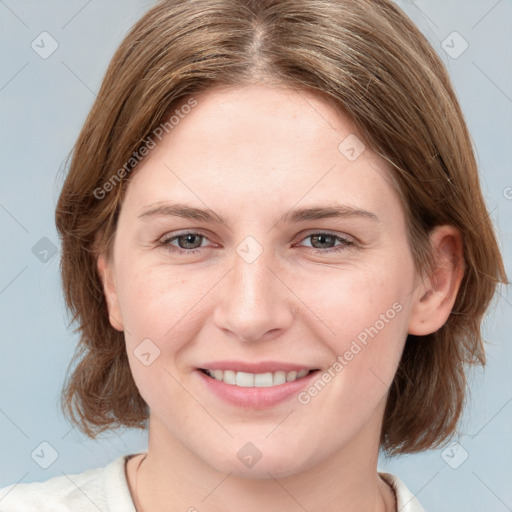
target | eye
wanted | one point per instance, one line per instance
(192, 242)
(324, 242)
(187, 243)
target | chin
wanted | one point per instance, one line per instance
(260, 460)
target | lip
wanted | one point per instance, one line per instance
(255, 398)
(261, 367)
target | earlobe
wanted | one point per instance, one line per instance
(109, 289)
(436, 294)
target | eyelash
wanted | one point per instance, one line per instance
(345, 242)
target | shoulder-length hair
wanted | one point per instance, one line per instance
(368, 61)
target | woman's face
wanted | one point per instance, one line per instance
(258, 239)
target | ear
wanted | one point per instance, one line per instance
(106, 271)
(436, 294)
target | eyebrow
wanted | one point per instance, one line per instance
(292, 216)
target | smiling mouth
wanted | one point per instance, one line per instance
(256, 380)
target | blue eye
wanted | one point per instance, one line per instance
(185, 241)
(192, 242)
(329, 239)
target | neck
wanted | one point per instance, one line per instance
(175, 477)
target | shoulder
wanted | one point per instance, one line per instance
(405, 499)
(103, 488)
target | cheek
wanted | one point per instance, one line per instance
(348, 300)
(156, 300)
(159, 308)
(364, 319)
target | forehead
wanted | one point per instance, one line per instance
(256, 142)
(256, 114)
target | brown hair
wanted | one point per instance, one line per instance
(368, 61)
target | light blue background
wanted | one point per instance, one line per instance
(43, 105)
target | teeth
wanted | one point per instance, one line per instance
(245, 380)
(256, 380)
(291, 376)
(229, 377)
(263, 380)
(279, 378)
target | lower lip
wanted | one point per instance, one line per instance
(256, 398)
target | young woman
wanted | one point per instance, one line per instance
(277, 251)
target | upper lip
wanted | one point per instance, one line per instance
(252, 367)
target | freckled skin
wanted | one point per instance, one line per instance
(251, 154)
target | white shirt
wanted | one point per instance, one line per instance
(106, 490)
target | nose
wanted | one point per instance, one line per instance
(255, 302)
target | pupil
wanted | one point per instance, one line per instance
(189, 240)
(322, 239)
